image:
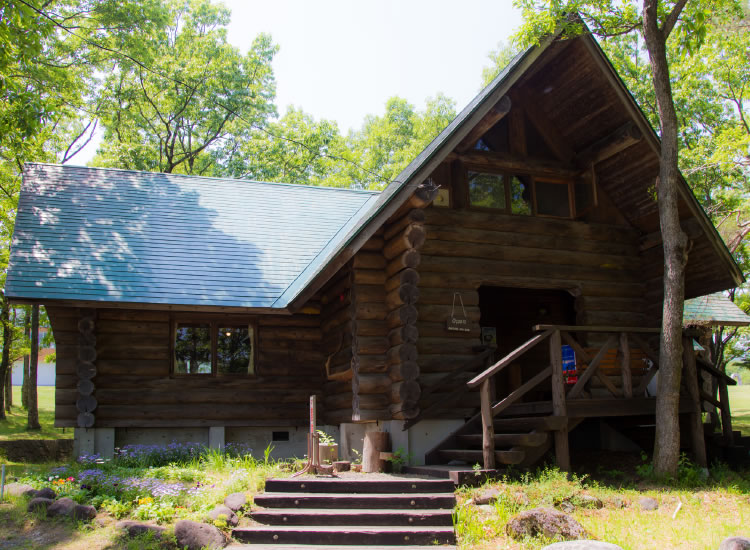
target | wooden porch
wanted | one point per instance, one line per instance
(609, 377)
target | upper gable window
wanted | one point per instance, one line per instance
(213, 347)
(527, 195)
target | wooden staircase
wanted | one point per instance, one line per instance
(315, 513)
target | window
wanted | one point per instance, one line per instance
(527, 195)
(213, 347)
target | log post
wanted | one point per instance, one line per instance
(488, 427)
(627, 375)
(696, 420)
(559, 408)
(374, 444)
(726, 416)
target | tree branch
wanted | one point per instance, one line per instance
(671, 20)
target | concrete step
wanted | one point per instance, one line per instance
(458, 474)
(417, 501)
(506, 440)
(320, 516)
(475, 456)
(366, 535)
(238, 546)
(358, 486)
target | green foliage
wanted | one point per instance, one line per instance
(325, 439)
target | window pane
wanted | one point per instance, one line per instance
(486, 190)
(192, 349)
(552, 199)
(520, 195)
(234, 350)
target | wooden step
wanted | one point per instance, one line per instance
(475, 456)
(529, 423)
(358, 486)
(310, 516)
(506, 440)
(366, 535)
(421, 501)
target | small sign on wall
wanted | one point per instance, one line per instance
(443, 198)
(489, 337)
(458, 321)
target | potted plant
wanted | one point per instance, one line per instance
(328, 449)
(398, 460)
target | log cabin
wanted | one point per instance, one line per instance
(502, 293)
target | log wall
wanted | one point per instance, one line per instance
(133, 386)
(464, 249)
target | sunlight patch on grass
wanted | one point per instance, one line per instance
(14, 427)
(739, 403)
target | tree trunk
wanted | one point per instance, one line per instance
(27, 336)
(9, 389)
(5, 362)
(667, 443)
(33, 422)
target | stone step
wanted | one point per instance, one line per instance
(366, 535)
(237, 546)
(506, 440)
(320, 516)
(458, 474)
(420, 501)
(475, 456)
(358, 486)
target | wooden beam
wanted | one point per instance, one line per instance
(589, 328)
(488, 429)
(520, 392)
(691, 227)
(696, 420)
(517, 133)
(591, 368)
(627, 375)
(726, 414)
(625, 136)
(549, 132)
(490, 160)
(493, 116)
(559, 408)
(508, 359)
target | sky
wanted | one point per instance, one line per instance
(341, 60)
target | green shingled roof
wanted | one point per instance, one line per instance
(714, 309)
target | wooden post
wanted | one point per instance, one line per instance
(627, 375)
(696, 420)
(488, 428)
(562, 451)
(726, 416)
(374, 443)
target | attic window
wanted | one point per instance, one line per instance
(213, 347)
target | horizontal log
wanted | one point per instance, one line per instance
(86, 324)
(86, 403)
(407, 334)
(403, 371)
(424, 195)
(374, 383)
(437, 314)
(369, 293)
(414, 216)
(369, 276)
(87, 353)
(371, 311)
(288, 321)
(413, 236)
(409, 258)
(369, 260)
(440, 330)
(84, 387)
(85, 420)
(371, 327)
(304, 382)
(201, 412)
(624, 137)
(299, 421)
(373, 243)
(372, 345)
(405, 277)
(143, 328)
(366, 401)
(456, 346)
(405, 315)
(118, 396)
(429, 363)
(306, 334)
(403, 295)
(342, 371)
(147, 367)
(493, 116)
(404, 411)
(491, 160)
(405, 391)
(85, 370)
(131, 315)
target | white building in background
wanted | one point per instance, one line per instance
(45, 371)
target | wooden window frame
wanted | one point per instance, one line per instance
(213, 321)
(507, 175)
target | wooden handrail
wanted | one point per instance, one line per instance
(586, 328)
(713, 371)
(508, 359)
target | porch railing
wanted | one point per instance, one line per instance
(619, 338)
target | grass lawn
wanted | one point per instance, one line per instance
(739, 402)
(14, 427)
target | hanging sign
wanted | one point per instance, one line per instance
(458, 322)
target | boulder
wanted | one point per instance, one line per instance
(582, 545)
(39, 504)
(62, 507)
(83, 512)
(567, 507)
(235, 501)
(587, 501)
(735, 543)
(17, 489)
(544, 521)
(134, 528)
(221, 510)
(619, 502)
(648, 503)
(46, 493)
(197, 536)
(489, 496)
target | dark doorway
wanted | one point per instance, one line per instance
(512, 312)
